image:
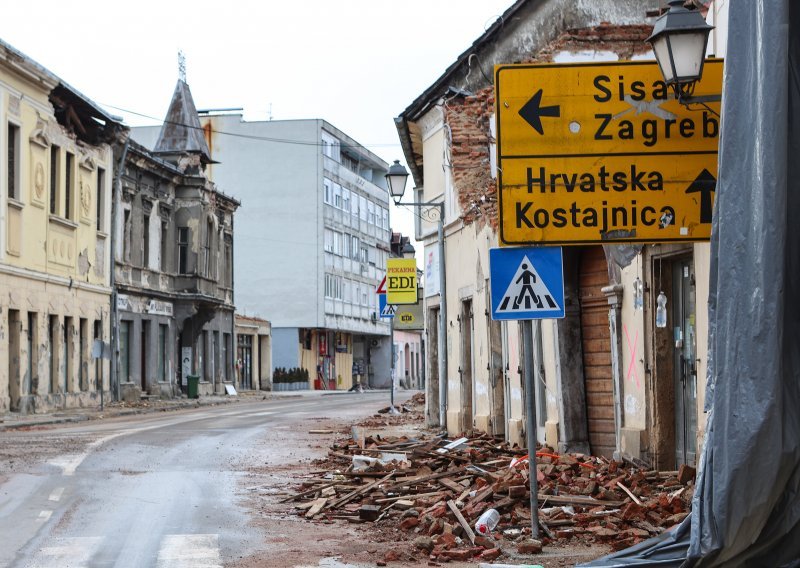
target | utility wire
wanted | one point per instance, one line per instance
(248, 136)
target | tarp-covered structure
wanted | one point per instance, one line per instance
(746, 508)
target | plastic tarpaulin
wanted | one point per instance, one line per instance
(746, 507)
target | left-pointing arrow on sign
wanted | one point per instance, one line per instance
(533, 111)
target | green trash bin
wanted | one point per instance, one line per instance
(193, 386)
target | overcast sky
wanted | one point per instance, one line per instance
(355, 63)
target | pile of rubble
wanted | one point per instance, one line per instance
(436, 489)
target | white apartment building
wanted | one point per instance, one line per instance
(312, 240)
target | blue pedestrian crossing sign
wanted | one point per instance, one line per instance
(527, 283)
(386, 310)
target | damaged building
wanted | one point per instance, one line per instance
(608, 380)
(174, 263)
(55, 214)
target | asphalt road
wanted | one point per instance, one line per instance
(154, 490)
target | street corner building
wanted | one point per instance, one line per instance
(618, 375)
(55, 242)
(174, 263)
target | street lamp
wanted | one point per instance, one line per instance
(396, 179)
(679, 41)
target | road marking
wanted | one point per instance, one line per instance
(189, 551)
(70, 462)
(44, 516)
(56, 494)
(75, 552)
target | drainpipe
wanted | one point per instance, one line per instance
(442, 324)
(116, 194)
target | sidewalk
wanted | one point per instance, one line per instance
(13, 420)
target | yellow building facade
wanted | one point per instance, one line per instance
(56, 175)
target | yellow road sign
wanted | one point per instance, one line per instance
(401, 281)
(601, 152)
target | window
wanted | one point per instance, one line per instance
(334, 286)
(331, 146)
(327, 187)
(161, 369)
(55, 165)
(350, 163)
(183, 250)
(356, 293)
(13, 161)
(337, 243)
(363, 207)
(125, 351)
(228, 264)
(355, 249)
(337, 195)
(372, 254)
(354, 209)
(146, 242)
(100, 200)
(370, 213)
(346, 245)
(345, 199)
(126, 235)
(385, 213)
(328, 242)
(364, 294)
(364, 253)
(345, 290)
(68, 185)
(207, 249)
(163, 259)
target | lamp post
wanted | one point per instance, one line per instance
(679, 41)
(396, 179)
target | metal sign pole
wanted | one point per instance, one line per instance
(530, 402)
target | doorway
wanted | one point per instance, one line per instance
(465, 368)
(496, 375)
(674, 348)
(244, 346)
(684, 361)
(145, 332)
(596, 343)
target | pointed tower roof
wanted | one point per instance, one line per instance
(182, 132)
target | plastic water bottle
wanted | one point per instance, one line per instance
(661, 310)
(487, 521)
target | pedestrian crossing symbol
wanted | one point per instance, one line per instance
(527, 283)
(386, 310)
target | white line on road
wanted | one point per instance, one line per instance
(75, 552)
(189, 551)
(70, 462)
(56, 494)
(44, 516)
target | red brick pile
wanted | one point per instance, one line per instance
(439, 488)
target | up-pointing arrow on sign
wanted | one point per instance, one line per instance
(705, 184)
(533, 111)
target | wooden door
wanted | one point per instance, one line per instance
(596, 343)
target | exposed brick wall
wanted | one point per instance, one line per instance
(469, 117)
